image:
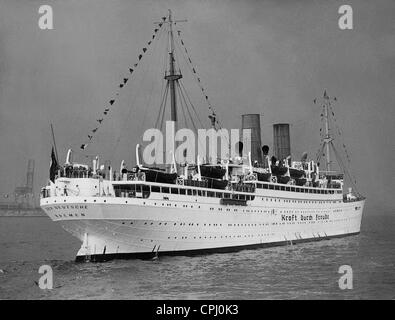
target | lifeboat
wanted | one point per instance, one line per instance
(300, 181)
(212, 171)
(296, 174)
(216, 183)
(158, 175)
(263, 176)
(283, 179)
(279, 170)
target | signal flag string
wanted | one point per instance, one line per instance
(123, 83)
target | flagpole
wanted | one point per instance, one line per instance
(54, 143)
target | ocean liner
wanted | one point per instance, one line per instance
(245, 202)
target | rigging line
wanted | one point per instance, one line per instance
(340, 134)
(345, 170)
(131, 105)
(197, 78)
(191, 119)
(318, 156)
(116, 94)
(182, 109)
(164, 86)
(199, 140)
(347, 167)
(320, 153)
(191, 68)
(189, 113)
(164, 65)
(152, 87)
(164, 109)
(190, 102)
(161, 105)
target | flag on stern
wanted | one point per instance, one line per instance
(53, 167)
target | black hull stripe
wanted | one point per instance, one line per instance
(196, 252)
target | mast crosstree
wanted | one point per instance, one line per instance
(172, 77)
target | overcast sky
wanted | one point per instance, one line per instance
(267, 57)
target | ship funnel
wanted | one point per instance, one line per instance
(253, 122)
(281, 141)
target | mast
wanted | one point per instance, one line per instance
(327, 139)
(172, 77)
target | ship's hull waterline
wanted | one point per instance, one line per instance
(144, 228)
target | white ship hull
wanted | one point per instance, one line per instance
(112, 227)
